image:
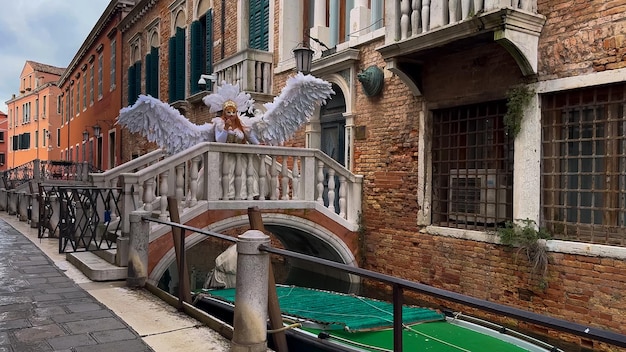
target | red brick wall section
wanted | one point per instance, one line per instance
(581, 37)
(580, 289)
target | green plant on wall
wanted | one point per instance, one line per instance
(528, 239)
(517, 98)
(361, 240)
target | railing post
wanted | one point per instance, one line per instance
(4, 201)
(212, 173)
(138, 249)
(250, 317)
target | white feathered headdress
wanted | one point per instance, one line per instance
(228, 92)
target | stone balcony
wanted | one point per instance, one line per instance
(414, 27)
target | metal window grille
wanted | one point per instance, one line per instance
(584, 165)
(472, 159)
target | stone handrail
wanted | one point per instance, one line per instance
(284, 175)
(111, 178)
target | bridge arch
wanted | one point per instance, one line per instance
(294, 232)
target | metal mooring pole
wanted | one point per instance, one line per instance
(250, 318)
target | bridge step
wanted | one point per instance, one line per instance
(96, 268)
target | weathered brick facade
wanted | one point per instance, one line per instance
(582, 289)
(581, 37)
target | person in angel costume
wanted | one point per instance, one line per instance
(290, 110)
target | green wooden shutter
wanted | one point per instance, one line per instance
(154, 72)
(131, 85)
(180, 63)
(137, 80)
(197, 56)
(148, 73)
(209, 47)
(259, 24)
(172, 69)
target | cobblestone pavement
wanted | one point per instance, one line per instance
(42, 309)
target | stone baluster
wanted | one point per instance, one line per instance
(331, 189)
(296, 179)
(405, 19)
(250, 176)
(226, 160)
(163, 192)
(240, 192)
(416, 17)
(180, 183)
(274, 179)
(320, 182)
(438, 13)
(453, 11)
(148, 194)
(114, 193)
(285, 180)
(343, 184)
(262, 178)
(425, 15)
(478, 6)
(193, 182)
(528, 5)
(465, 8)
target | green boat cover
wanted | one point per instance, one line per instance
(335, 310)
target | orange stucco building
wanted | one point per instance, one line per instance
(31, 114)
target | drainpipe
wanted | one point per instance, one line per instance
(223, 28)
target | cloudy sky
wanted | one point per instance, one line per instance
(45, 31)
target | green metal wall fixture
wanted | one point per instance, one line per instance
(372, 80)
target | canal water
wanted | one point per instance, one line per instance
(201, 260)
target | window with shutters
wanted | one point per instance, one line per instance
(100, 69)
(84, 92)
(152, 64)
(134, 74)
(259, 24)
(112, 65)
(177, 65)
(91, 84)
(201, 51)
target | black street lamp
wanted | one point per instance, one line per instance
(304, 57)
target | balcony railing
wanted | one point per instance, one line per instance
(250, 69)
(415, 17)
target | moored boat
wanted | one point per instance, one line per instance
(330, 321)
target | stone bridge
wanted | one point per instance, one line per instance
(308, 201)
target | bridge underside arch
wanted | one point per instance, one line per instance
(302, 233)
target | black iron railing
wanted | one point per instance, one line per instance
(86, 219)
(47, 170)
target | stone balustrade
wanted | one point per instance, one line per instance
(416, 17)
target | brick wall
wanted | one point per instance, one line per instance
(586, 290)
(581, 37)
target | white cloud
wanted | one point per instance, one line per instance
(45, 31)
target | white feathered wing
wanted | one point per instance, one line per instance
(162, 124)
(290, 110)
